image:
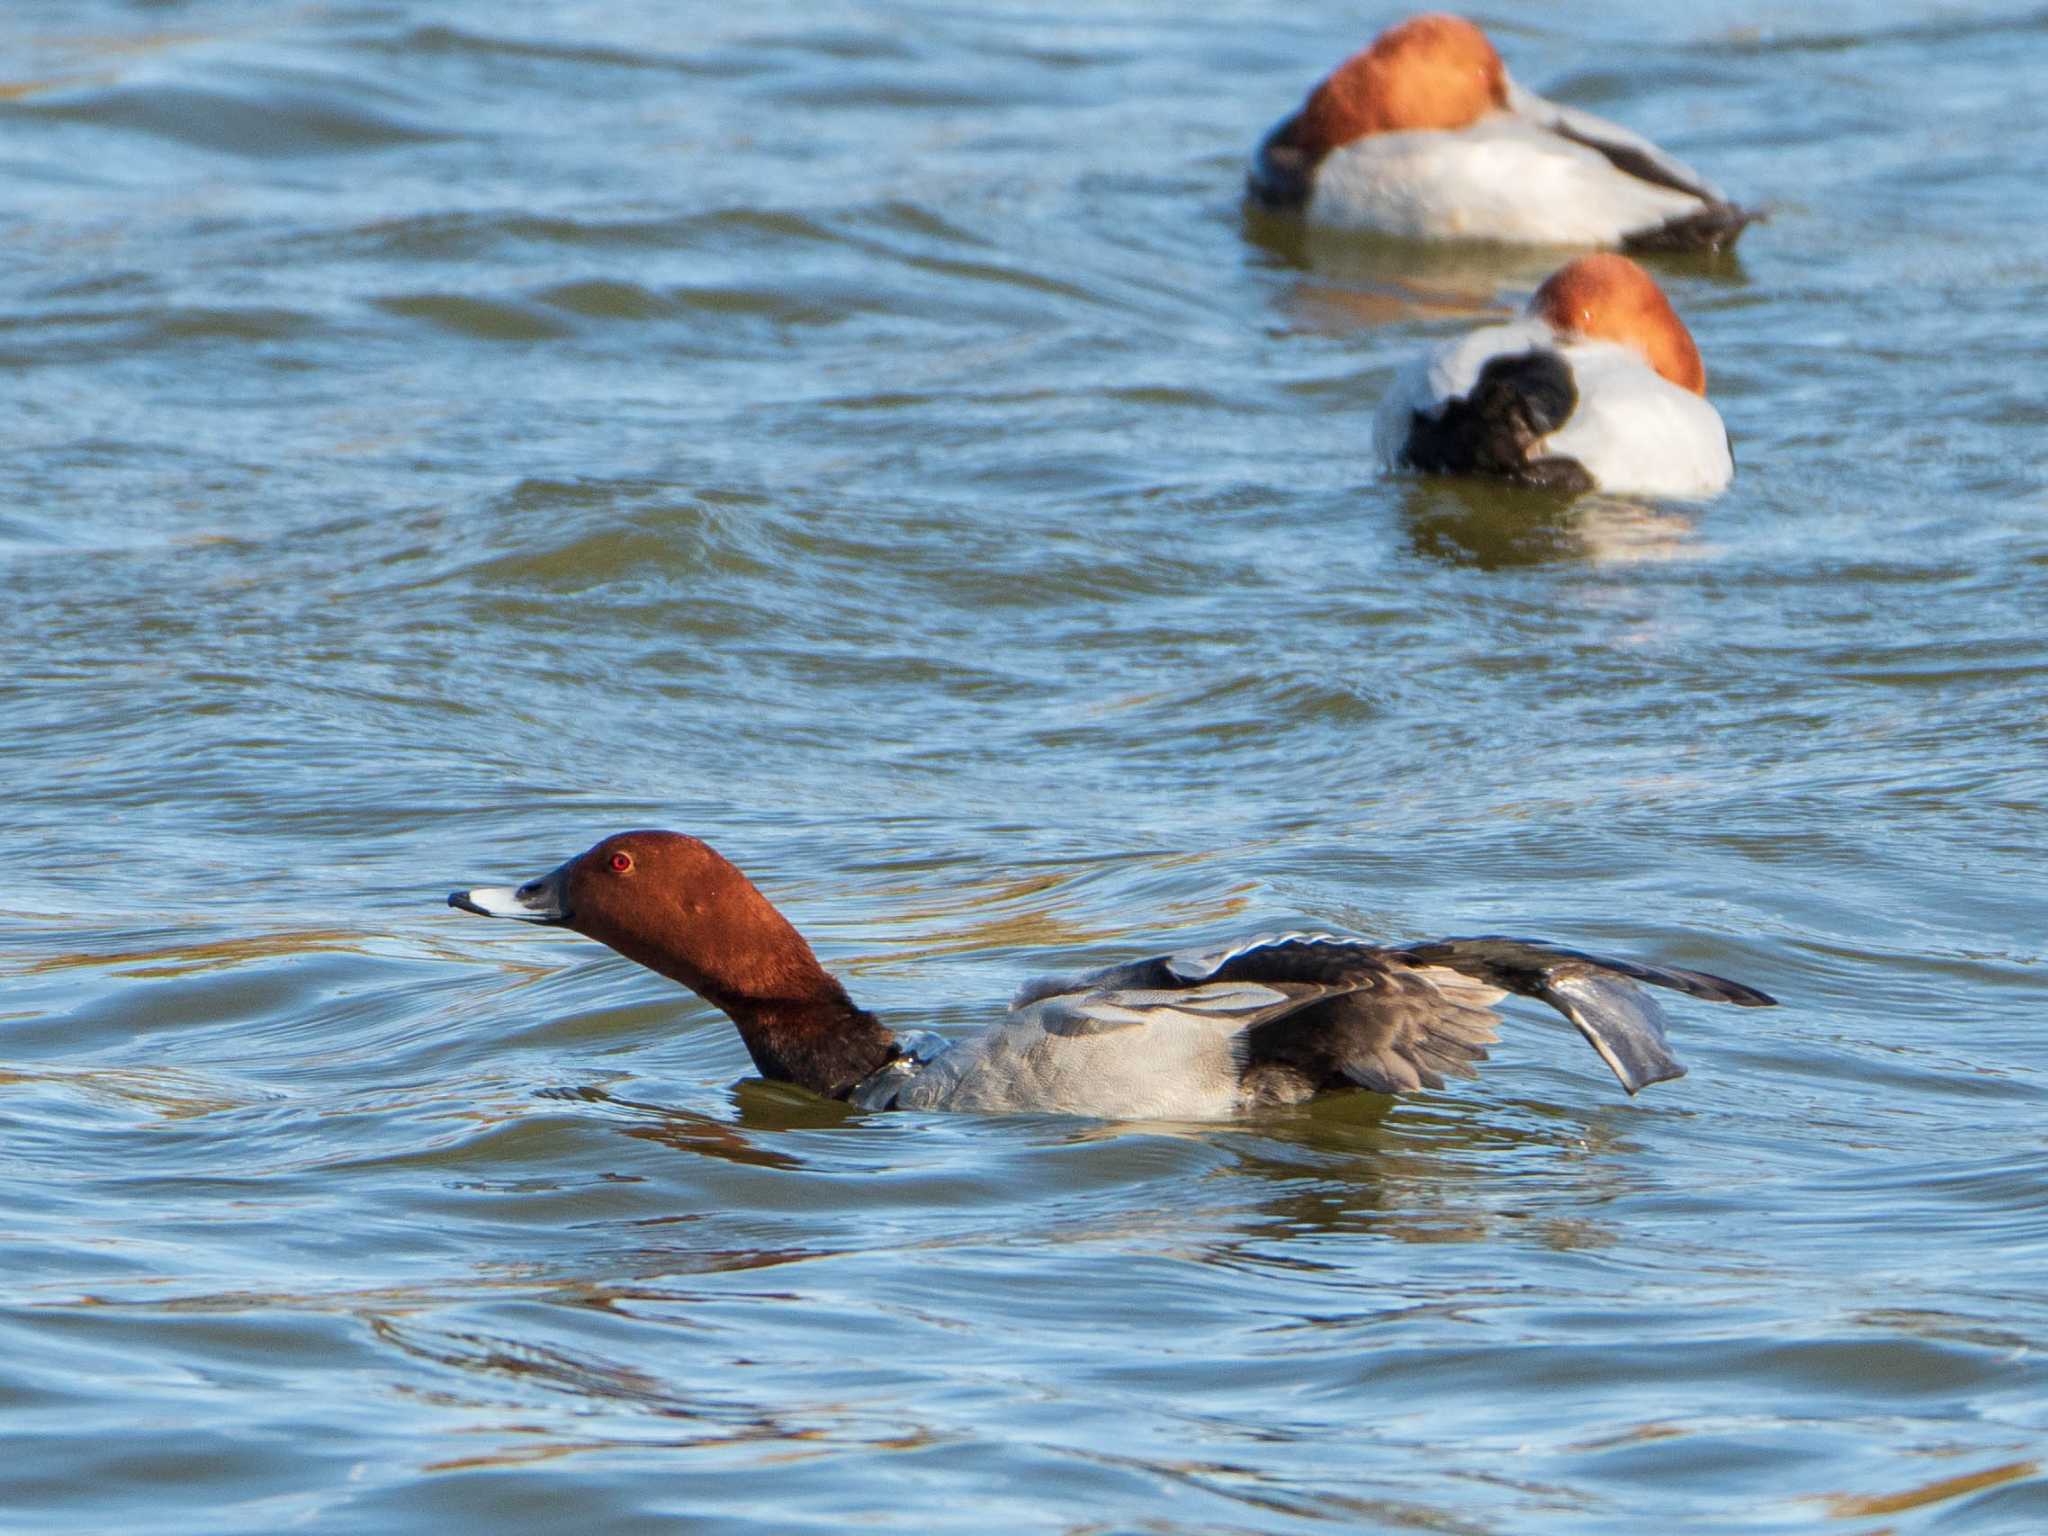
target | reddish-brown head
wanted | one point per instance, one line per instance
(1609, 298)
(677, 906)
(1432, 71)
(671, 903)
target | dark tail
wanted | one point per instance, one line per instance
(1715, 227)
(1621, 1021)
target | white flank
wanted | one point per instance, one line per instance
(1505, 178)
(1634, 431)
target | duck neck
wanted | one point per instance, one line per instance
(727, 943)
(824, 1043)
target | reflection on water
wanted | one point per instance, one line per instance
(1358, 281)
(1439, 281)
(1468, 522)
(1858, 1507)
(1450, 279)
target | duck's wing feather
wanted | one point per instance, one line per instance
(1307, 1011)
(1628, 152)
(1516, 963)
(1314, 1010)
(1294, 959)
(1714, 224)
(1596, 992)
(1103, 1011)
(1239, 986)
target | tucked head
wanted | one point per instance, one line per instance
(1606, 297)
(1432, 71)
(674, 904)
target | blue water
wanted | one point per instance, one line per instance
(871, 437)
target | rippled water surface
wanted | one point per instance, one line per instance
(870, 436)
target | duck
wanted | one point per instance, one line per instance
(1597, 386)
(1424, 135)
(1199, 1034)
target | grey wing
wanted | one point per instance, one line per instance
(1250, 980)
(1232, 1006)
(1394, 1028)
(1596, 992)
(1313, 1011)
(1628, 152)
(1157, 973)
(1621, 1021)
(1337, 1012)
(1518, 964)
(1240, 988)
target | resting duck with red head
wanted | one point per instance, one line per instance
(1194, 1035)
(1424, 135)
(1598, 386)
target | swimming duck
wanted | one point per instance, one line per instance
(1597, 387)
(1424, 135)
(1196, 1035)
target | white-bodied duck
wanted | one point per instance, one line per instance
(1424, 135)
(1598, 386)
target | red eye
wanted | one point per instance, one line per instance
(622, 862)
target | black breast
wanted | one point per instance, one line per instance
(1281, 169)
(1516, 403)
